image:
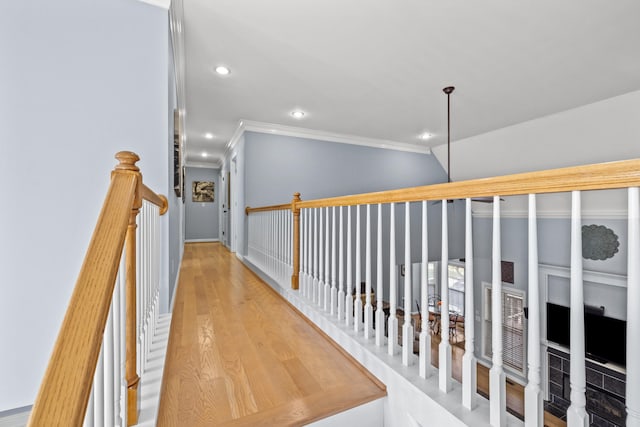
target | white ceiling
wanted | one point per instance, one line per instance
(376, 68)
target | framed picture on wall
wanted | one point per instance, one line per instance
(202, 191)
(177, 176)
(182, 181)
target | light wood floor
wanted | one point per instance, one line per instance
(240, 355)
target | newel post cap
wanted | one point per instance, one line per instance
(128, 160)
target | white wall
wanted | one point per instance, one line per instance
(79, 82)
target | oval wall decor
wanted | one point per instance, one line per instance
(599, 242)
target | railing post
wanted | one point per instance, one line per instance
(127, 163)
(295, 210)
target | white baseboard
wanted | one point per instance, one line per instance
(201, 240)
(175, 285)
(15, 417)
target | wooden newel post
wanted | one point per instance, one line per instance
(295, 210)
(128, 163)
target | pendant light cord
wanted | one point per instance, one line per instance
(448, 91)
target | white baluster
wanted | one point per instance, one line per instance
(321, 271)
(302, 274)
(341, 294)
(313, 253)
(116, 349)
(633, 314)
(469, 362)
(444, 351)
(392, 323)
(264, 244)
(308, 257)
(139, 279)
(348, 299)
(533, 409)
(303, 254)
(279, 238)
(327, 279)
(289, 243)
(425, 337)
(98, 391)
(123, 348)
(272, 244)
(497, 391)
(283, 236)
(576, 413)
(320, 252)
(368, 308)
(380, 323)
(357, 322)
(108, 370)
(334, 289)
(89, 415)
(407, 327)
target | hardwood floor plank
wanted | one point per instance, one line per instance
(240, 355)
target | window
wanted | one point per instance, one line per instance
(513, 342)
(456, 286)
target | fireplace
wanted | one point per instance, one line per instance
(605, 392)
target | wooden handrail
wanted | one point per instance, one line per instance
(157, 199)
(600, 176)
(66, 386)
(249, 210)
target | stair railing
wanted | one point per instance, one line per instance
(315, 260)
(92, 376)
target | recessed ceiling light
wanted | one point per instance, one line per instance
(222, 70)
(208, 135)
(204, 154)
(297, 114)
(424, 136)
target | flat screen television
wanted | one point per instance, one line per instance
(605, 337)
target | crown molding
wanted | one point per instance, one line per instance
(164, 4)
(205, 165)
(276, 129)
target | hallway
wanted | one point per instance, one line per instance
(240, 355)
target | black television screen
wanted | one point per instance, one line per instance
(605, 337)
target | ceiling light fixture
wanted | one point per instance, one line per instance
(424, 136)
(208, 135)
(222, 70)
(298, 114)
(204, 154)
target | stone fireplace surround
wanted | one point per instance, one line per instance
(605, 390)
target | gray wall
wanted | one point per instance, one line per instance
(201, 219)
(80, 81)
(277, 166)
